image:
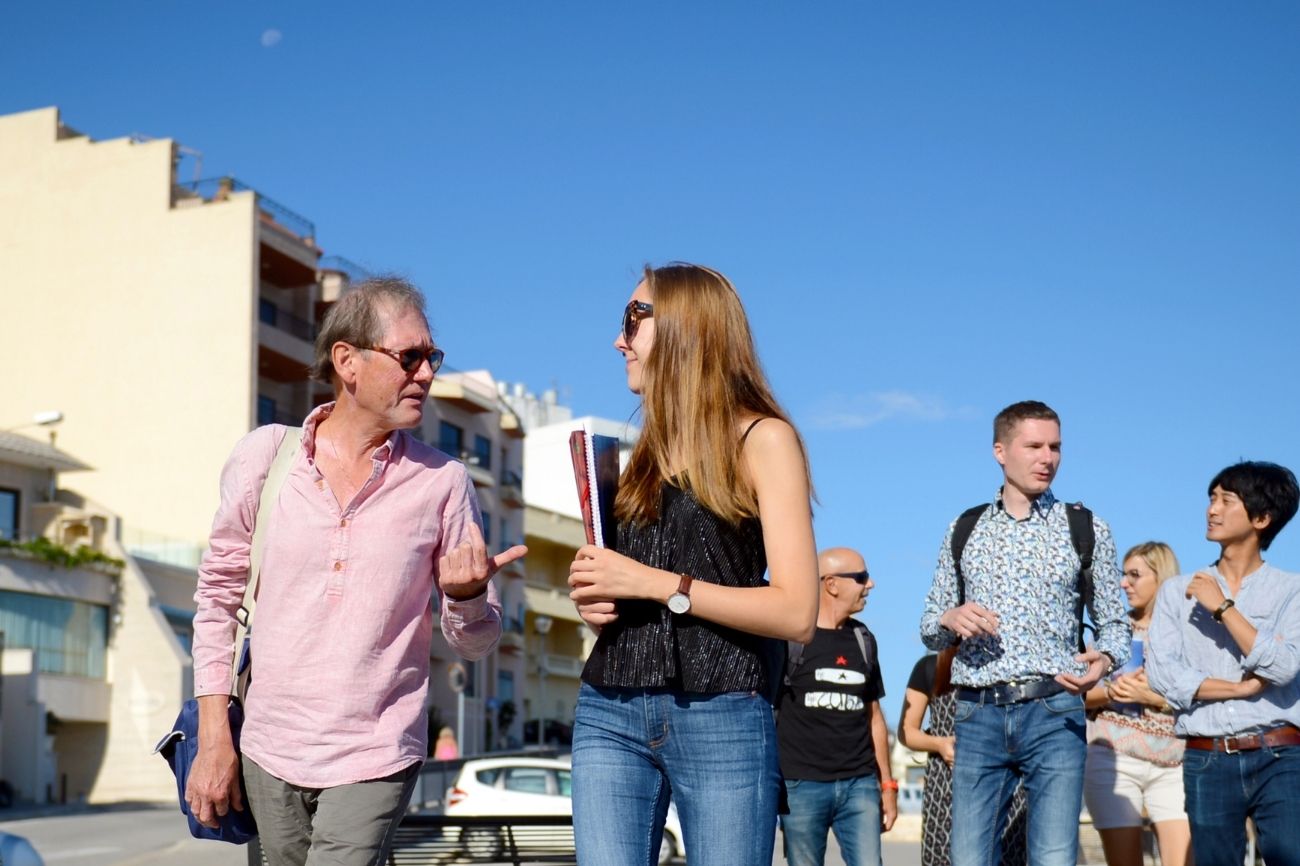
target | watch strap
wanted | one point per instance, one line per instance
(684, 585)
(1222, 609)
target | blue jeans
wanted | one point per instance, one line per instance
(1223, 789)
(1040, 741)
(713, 755)
(850, 807)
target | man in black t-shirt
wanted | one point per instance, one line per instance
(833, 742)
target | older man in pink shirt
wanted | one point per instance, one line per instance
(371, 533)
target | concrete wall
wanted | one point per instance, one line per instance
(151, 677)
(26, 751)
(152, 311)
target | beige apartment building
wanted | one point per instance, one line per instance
(467, 419)
(95, 666)
(163, 319)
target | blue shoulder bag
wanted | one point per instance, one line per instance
(180, 747)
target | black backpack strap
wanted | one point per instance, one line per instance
(961, 531)
(1084, 538)
(793, 658)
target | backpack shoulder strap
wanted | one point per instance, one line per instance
(961, 531)
(288, 450)
(793, 658)
(860, 632)
(1084, 538)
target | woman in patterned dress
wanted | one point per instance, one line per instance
(1134, 759)
(940, 740)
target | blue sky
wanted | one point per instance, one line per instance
(931, 210)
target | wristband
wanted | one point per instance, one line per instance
(889, 785)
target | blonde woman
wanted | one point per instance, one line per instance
(715, 493)
(1134, 759)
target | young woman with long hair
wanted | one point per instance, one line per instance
(716, 492)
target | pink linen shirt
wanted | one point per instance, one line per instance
(345, 607)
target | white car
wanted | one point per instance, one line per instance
(531, 786)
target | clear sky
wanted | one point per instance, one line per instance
(931, 210)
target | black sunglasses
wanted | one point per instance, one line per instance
(633, 313)
(411, 359)
(859, 577)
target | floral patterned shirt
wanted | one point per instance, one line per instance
(1026, 571)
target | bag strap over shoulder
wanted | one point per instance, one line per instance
(290, 446)
(1084, 538)
(794, 651)
(961, 531)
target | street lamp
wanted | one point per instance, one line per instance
(541, 625)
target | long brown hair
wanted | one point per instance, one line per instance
(701, 377)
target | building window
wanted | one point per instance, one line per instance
(483, 452)
(266, 311)
(69, 637)
(9, 514)
(451, 439)
(265, 409)
(505, 686)
(505, 532)
(487, 528)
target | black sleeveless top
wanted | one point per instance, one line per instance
(648, 646)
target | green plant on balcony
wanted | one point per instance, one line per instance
(56, 554)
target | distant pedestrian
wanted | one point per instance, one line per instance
(1224, 650)
(715, 494)
(832, 736)
(940, 742)
(445, 748)
(1013, 598)
(1134, 759)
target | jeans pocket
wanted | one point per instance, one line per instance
(965, 709)
(1063, 702)
(1197, 760)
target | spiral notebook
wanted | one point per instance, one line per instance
(595, 470)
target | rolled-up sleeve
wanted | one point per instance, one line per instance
(472, 627)
(223, 573)
(1276, 654)
(1108, 608)
(1167, 669)
(941, 597)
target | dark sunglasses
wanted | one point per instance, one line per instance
(859, 577)
(633, 313)
(411, 359)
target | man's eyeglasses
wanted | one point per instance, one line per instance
(412, 358)
(633, 313)
(859, 577)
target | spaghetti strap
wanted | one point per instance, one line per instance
(745, 435)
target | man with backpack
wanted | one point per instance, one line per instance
(1009, 592)
(831, 735)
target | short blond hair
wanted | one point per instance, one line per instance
(1158, 556)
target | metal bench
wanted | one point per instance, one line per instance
(425, 840)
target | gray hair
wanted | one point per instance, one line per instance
(358, 318)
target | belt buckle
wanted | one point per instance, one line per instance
(1227, 746)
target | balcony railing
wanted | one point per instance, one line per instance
(284, 321)
(218, 188)
(354, 272)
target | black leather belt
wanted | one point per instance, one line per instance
(1011, 693)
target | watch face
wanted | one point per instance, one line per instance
(679, 603)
